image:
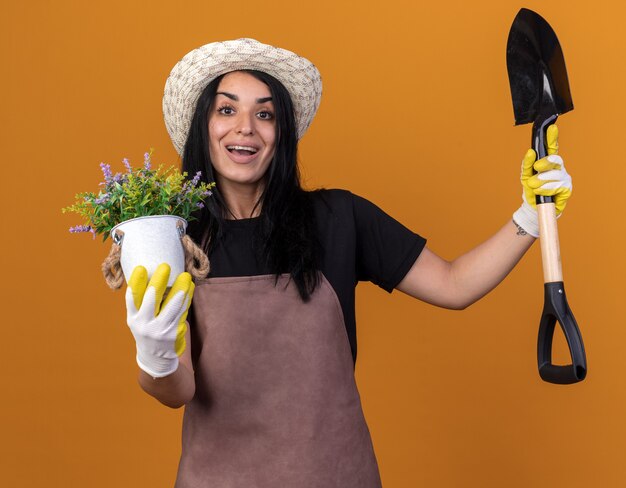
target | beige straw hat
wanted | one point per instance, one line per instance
(198, 68)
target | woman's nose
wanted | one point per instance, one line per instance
(245, 130)
(245, 126)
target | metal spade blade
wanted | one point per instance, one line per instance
(540, 92)
(537, 74)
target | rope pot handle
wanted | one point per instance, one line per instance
(112, 266)
(196, 261)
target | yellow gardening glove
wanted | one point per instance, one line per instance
(551, 179)
(158, 325)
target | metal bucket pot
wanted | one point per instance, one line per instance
(150, 241)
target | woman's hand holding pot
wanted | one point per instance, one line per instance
(158, 325)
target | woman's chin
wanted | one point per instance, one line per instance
(240, 180)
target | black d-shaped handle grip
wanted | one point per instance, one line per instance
(556, 309)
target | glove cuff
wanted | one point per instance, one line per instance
(526, 218)
(156, 366)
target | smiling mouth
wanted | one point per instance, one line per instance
(242, 150)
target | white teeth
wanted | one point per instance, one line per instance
(241, 148)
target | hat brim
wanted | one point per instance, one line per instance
(191, 75)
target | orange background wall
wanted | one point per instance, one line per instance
(416, 116)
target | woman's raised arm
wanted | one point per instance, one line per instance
(461, 282)
(468, 278)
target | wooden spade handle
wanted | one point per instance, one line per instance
(550, 251)
(555, 306)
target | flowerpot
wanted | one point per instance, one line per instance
(150, 241)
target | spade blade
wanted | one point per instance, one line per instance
(537, 74)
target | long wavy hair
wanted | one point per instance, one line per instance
(285, 238)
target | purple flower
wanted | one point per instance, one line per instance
(118, 178)
(106, 170)
(80, 228)
(146, 161)
(196, 179)
(83, 228)
(200, 205)
(127, 165)
(207, 193)
(102, 198)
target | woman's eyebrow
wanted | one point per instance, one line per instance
(236, 98)
(229, 95)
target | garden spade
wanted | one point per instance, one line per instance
(540, 92)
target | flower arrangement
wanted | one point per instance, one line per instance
(138, 193)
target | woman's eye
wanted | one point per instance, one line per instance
(226, 110)
(265, 115)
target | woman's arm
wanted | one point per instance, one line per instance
(468, 278)
(161, 333)
(459, 283)
(178, 388)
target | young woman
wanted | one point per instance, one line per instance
(266, 369)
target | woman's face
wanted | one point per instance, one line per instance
(242, 130)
